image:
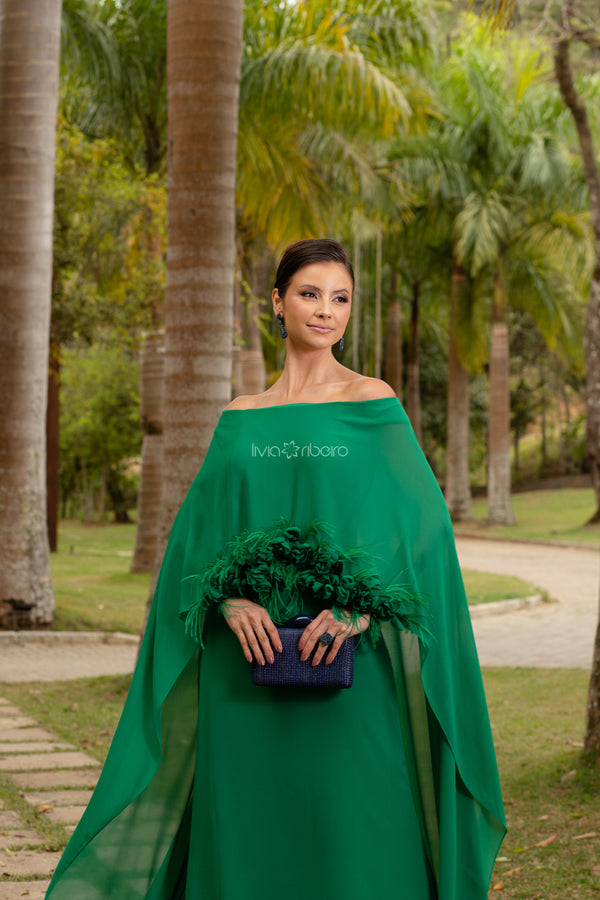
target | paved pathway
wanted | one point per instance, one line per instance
(550, 634)
(55, 656)
(56, 780)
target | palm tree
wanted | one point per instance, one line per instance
(574, 102)
(204, 50)
(29, 49)
(508, 224)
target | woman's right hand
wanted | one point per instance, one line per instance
(254, 629)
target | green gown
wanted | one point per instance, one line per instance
(215, 789)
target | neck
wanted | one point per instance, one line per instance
(307, 370)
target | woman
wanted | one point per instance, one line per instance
(216, 789)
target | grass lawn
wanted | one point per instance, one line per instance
(484, 587)
(558, 515)
(92, 585)
(552, 851)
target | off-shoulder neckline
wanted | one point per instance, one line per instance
(313, 404)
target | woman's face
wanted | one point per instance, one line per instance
(316, 306)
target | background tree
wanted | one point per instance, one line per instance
(108, 260)
(100, 428)
(29, 66)
(204, 52)
(572, 29)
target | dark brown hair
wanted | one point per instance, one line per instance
(303, 253)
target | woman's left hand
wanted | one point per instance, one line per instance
(324, 623)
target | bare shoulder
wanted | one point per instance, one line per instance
(364, 388)
(246, 401)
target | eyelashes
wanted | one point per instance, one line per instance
(311, 295)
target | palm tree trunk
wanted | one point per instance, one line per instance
(151, 473)
(53, 446)
(29, 58)
(393, 347)
(253, 371)
(458, 488)
(204, 47)
(413, 386)
(378, 263)
(500, 511)
(356, 301)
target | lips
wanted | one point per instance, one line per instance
(321, 329)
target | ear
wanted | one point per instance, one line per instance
(277, 302)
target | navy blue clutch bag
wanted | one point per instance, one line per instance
(288, 670)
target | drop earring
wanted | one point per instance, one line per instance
(341, 343)
(282, 330)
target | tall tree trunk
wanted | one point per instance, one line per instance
(378, 339)
(500, 511)
(458, 488)
(413, 386)
(252, 368)
(204, 46)
(544, 409)
(574, 102)
(29, 59)
(53, 446)
(393, 345)
(564, 76)
(356, 302)
(151, 474)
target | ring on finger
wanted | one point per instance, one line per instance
(326, 639)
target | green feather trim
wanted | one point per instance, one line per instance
(284, 566)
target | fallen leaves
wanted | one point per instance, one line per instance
(547, 841)
(586, 836)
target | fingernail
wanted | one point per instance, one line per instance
(280, 648)
(271, 659)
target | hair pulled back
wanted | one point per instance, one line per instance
(304, 253)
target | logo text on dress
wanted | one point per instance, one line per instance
(291, 450)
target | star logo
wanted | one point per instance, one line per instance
(290, 449)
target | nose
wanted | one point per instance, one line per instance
(323, 311)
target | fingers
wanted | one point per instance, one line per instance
(324, 623)
(340, 630)
(333, 649)
(253, 628)
(257, 644)
(271, 630)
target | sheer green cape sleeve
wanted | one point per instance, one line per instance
(356, 466)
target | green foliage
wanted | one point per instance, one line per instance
(354, 115)
(109, 241)
(99, 428)
(114, 75)
(347, 70)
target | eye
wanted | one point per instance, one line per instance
(341, 299)
(308, 294)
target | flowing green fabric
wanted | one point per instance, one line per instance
(214, 789)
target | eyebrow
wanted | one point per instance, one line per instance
(314, 287)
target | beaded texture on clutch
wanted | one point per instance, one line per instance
(289, 670)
